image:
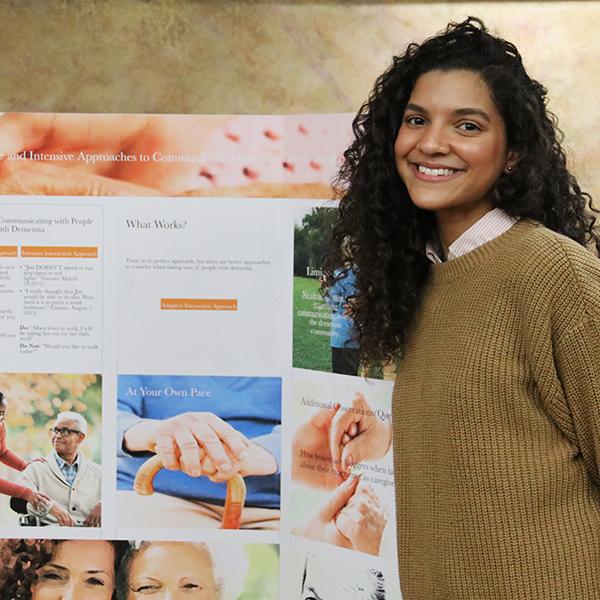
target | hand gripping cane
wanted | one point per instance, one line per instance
(234, 501)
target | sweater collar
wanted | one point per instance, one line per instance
(462, 265)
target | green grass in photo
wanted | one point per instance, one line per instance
(311, 350)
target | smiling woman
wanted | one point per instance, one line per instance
(59, 569)
(470, 241)
(451, 150)
(182, 570)
(79, 568)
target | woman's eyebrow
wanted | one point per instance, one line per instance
(473, 111)
(96, 571)
(416, 108)
(55, 566)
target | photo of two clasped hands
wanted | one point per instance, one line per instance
(328, 451)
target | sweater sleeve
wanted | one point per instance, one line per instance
(14, 489)
(577, 358)
(577, 351)
(9, 458)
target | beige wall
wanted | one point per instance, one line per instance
(225, 56)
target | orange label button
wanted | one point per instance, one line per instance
(197, 304)
(58, 252)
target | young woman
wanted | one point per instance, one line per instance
(471, 244)
(59, 569)
(9, 458)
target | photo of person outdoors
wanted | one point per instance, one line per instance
(345, 354)
(323, 327)
(206, 430)
(323, 334)
(475, 253)
(72, 482)
(53, 420)
(342, 484)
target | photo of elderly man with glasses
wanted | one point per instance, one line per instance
(72, 482)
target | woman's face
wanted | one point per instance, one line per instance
(3, 410)
(171, 571)
(451, 147)
(79, 570)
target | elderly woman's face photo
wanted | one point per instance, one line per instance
(451, 147)
(79, 570)
(172, 571)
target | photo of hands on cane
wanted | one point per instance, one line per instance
(210, 460)
(203, 444)
(331, 449)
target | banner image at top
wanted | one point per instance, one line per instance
(245, 156)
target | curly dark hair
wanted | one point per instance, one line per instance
(20, 560)
(382, 235)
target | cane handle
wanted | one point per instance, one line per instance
(234, 501)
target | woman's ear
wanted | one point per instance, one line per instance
(512, 159)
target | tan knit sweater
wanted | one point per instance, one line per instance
(497, 426)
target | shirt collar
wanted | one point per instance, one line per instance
(490, 226)
(62, 463)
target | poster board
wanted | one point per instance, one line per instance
(189, 302)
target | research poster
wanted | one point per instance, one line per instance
(178, 397)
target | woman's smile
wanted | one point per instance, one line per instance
(434, 173)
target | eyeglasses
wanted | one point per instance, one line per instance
(63, 431)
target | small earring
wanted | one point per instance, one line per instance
(509, 168)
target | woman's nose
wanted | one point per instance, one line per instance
(69, 592)
(434, 140)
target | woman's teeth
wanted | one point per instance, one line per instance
(435, 172)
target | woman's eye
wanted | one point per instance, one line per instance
(468, 126)
(146, 589)
(414, 120)
(96, 581)
(190, 586)
(51, 576)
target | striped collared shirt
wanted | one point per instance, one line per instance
(490, 226)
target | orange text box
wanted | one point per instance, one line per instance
(9, 251)
(58, 252)
(197, 304)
